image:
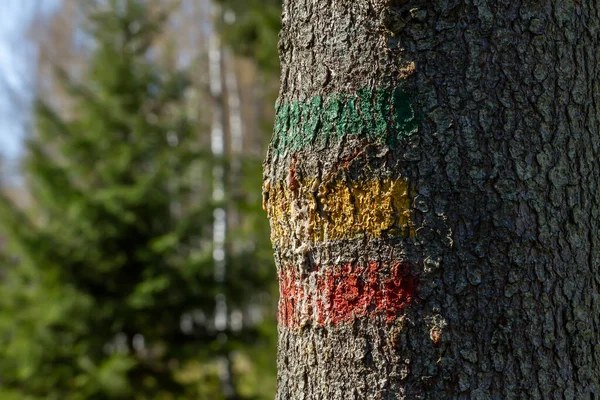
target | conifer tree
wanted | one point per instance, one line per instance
(112, 294)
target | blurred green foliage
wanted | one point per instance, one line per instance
(109, 292)
(253, 30)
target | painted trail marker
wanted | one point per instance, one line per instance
(339, 210)
(340, 294)
(381, 115)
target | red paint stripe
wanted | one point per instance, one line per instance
(339, 295)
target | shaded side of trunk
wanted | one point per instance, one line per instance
(432, 191)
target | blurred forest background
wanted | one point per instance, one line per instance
(135, 260)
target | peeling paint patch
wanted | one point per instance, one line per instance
(383, 115)
(315, 212)
(341, 294)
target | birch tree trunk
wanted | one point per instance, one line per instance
(432, 191)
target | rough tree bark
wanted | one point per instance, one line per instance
(432, 191)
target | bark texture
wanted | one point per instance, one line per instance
(432, 189)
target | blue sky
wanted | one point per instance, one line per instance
(17, 69)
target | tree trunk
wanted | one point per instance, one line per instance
(432, 191)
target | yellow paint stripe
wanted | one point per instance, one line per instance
(316, 212)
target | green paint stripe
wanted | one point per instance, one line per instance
(383, 115)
